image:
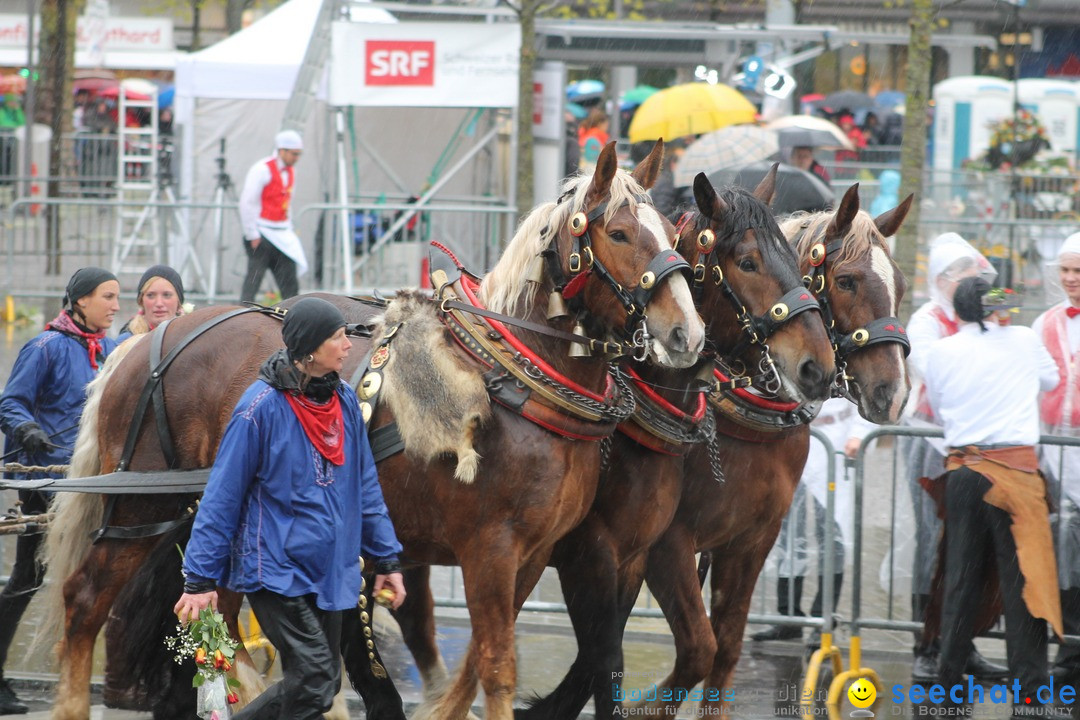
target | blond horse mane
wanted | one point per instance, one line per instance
(505, 289)
(862, 236)
(75, 514)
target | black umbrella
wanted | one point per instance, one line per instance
(848, 100)
(795, 189)
(804, 137)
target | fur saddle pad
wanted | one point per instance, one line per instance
(438, 396)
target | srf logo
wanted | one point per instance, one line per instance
(400, 62)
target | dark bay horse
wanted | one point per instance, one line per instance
(738, 521)
(532, 485)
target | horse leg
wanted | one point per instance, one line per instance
(88, 595)
(416, 617)
(732, 584)
(672, 577)
(587, 574)
(490, 571)
(252, 683)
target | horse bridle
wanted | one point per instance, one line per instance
(756, 329)
(877, 331)
(583, 262)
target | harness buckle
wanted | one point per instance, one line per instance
(699, 273)
(575, 262)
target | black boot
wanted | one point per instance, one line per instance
(983, 669)
(785, 632)
(838, 584)
(9, 702)
(925, 667)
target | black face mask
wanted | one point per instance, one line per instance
(281, 374)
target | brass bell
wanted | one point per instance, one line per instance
(361, 559)
(365, 618)
(371, 656)
(579, 350)
(556, 306)
(370, 644)
(367, 632)
(536, 270)
(705, 373)
(363, 602)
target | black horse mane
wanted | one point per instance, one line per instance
(745, 212)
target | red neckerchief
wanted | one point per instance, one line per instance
(322, 424)
(63, 323)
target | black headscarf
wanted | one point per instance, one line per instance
(968, 300)
(308, 324)
(84, 282)
(165, 272)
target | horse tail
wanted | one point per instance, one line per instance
(137, 660)
(75, 515)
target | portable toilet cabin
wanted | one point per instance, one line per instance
(1057, 105)
(965, 110)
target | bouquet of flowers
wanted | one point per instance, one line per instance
(207, 641)
(1025, 131)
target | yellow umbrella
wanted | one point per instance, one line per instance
(690, 109)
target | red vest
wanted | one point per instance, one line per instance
(276, 196)
(948, 327)
(1055, 336)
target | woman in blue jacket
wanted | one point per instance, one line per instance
(292, 502)
(39, 416)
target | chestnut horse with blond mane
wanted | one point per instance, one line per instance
(531, 485)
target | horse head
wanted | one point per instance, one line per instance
(606, 254)
(748, 287)
(847, 263)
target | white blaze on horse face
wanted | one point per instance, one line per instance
(651, 221)
(884, 268)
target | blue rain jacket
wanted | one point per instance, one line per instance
(48, 386)
(277, 515)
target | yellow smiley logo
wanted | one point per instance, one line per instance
(862, 693)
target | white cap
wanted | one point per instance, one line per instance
(945, 250)
(1071, 246)
(288, 140)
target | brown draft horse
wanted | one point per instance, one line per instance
(532, 487)
(738, 521)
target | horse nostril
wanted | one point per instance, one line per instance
(678, 341)
(811, 374)
(882, 396)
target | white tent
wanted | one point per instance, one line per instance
(237, 90)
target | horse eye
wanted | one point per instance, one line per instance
(617, 236)
(747, 265)
(846, 283)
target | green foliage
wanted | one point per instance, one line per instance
(208, 643)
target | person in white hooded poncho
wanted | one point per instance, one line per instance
(951, 260)
(1059, 330)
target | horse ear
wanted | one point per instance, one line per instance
(766, 189)
(889, 222)
(845, 214)
(606, 166)
(709, 203)
(649, 169)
